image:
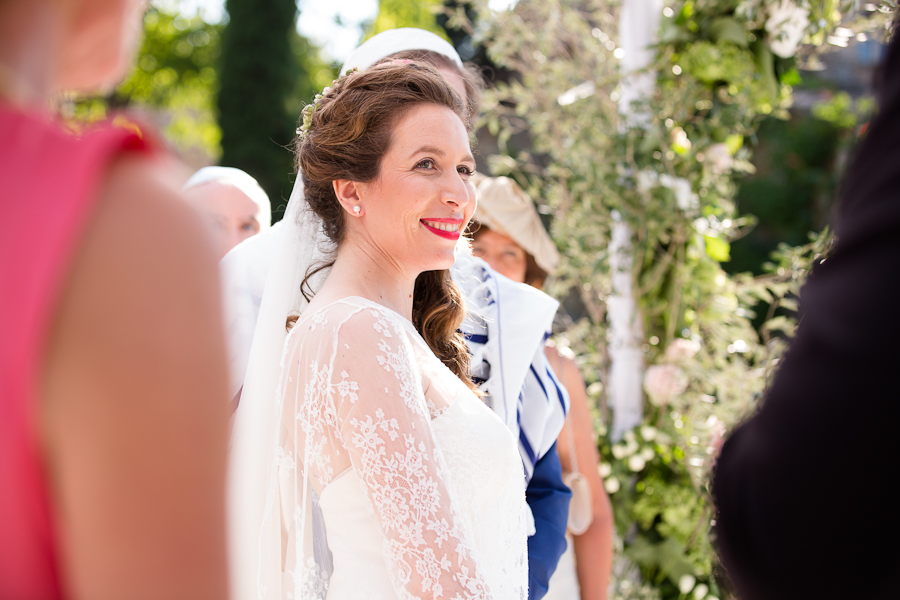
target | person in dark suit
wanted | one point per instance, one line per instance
(803, 488)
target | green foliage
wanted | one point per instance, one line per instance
(841, 111)
(174, 80)
(259, 74)
(672, 176)
(799, 166)
(403, 13)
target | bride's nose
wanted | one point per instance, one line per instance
(457, 191)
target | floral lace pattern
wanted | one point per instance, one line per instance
(360, 391)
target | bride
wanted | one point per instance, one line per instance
(393, 479)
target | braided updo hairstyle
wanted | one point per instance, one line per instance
(345, 135)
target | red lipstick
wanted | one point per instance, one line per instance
(450, 235)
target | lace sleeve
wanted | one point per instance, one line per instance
(367, 396)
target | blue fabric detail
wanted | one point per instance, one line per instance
(476, 338)
(548, 497)
(562, 399)
(525, 444)
(541, 383)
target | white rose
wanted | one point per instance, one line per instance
(682, 349)
(618, 451)
(719, 158)
(686, 583)
(648, 432)
(612, 485)
(701, 591)
(648, 454)
(604, 469)
(636, 463)
(685, 198)
(786, 26)
(663, 382)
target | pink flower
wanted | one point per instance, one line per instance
(682, 349)
(663, 383)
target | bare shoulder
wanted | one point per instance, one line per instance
(141, 202)
(134, 396)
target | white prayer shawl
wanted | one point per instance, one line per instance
(506, 327)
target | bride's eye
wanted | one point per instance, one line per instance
(464, 170)
(426, 164)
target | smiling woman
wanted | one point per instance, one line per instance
(403, 156)
(418, 483)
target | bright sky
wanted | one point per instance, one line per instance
(333, 25)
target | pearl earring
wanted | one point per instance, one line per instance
(356, 209)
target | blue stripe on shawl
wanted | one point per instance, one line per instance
(477, 338)
(525, 444)
(562, 400)
(540, 383)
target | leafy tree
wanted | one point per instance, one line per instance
(798, 169)
(407, 13)
(259, 76)
(174, 83)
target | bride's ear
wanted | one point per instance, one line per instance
(348, 194)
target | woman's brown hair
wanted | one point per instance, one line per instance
(346, 137)
(471, 76)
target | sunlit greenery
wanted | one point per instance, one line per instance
(173, 83)
(404, 13)
(721, 68)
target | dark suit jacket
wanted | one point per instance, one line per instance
(803, 489)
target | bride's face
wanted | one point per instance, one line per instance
(416, 209)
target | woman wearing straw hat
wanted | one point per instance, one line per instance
(510, 237)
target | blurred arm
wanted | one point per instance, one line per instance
(134, 409)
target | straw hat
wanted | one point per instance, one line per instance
(504, 207)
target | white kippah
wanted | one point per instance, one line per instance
(393, 41)
(239, 179)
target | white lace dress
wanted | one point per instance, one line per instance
(418, 483)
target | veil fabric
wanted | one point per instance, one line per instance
(298, 244)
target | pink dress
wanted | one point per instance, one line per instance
(49, 182)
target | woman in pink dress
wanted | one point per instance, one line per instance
(113, 420)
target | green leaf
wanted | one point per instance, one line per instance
(791, 77)
(717, 248)
(781, 324)
(734, 142)
(672, 560)
(726, 29)
(765, 65)
(789, 304)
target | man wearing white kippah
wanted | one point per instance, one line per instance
(505, 329)
(233, 202)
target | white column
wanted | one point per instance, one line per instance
(638, 24)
